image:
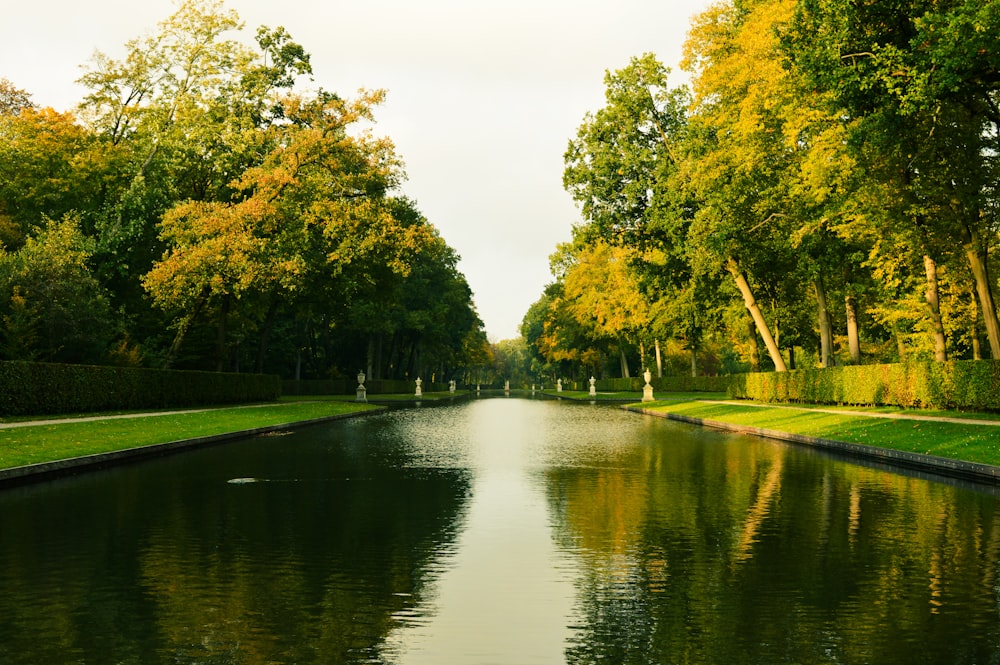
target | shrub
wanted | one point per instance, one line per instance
(41, 388)
(960, 384)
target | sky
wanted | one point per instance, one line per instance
(483, 98)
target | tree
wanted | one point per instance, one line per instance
(187, 111)
(49, 166)
(309, 207)
(51, 306)
(622, 168)
(920, 80)
(13, 100)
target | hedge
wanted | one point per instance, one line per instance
(42, 388)
(958, 384)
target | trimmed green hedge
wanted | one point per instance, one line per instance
(958, 384)
(43, 388)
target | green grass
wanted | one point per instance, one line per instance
(972, 443)
(32, 444)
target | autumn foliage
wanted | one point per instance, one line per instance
(204, 208)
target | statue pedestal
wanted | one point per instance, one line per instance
(647, 393)
(362, 391)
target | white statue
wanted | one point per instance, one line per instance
(419, 392)
(593, 387)
(362, 391)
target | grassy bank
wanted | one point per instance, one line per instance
(913, 433)
(35, 443)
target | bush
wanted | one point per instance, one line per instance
(959, 384)
(43, 388)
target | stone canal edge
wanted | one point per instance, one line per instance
(941, 466)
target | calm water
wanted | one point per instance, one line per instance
(501, 531)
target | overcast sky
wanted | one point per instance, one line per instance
(483, 97)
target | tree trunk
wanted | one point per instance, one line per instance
(791, 357)
(220, 338)
(265, 334)
(378, 359)
(624, 362)
(900, 345)
(370, 356)
(754, 347)
(977, 351)
(980, 271)
(694, 361)
(825, 327)
(182, 330)
(393, 368)
(934, 308)
(853, 338)
(659, 361)
(758, 318)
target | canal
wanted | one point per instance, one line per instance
(499, 531)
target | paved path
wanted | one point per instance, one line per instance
(865, 414)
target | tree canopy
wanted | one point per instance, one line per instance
(826, 151)
(207, 208)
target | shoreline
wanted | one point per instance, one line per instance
(943, 466)
(42, 471)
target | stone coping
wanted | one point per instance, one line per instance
(943, 466)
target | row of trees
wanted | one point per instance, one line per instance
(826, 152)
(200, 210)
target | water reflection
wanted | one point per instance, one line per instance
(501, 531)
(169, 563)
(507, 595)
(753, 552)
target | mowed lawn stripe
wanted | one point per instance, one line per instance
(957, 440)
(53, 441)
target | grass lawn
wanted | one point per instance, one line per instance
(972, 443)
(31, 444)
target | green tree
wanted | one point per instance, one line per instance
(52, 307)
(622, 168)
(186, 111)
(919, 79)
